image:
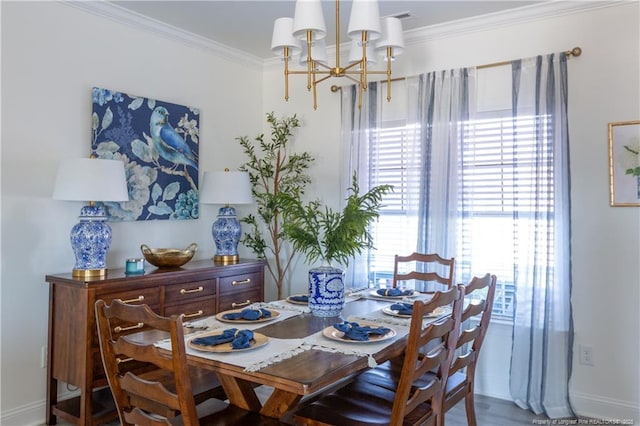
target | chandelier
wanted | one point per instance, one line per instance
(305, 33)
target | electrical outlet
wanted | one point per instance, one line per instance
(43, 357)
(586, 354)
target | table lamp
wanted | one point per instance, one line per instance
(225, 187)
(89, 179)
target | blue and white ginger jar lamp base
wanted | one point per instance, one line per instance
(90, 240)
(226, 232)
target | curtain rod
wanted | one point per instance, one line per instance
(576, 51)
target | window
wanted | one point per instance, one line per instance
(495, 185)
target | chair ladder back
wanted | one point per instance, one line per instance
(472, 337)
(443, 332)
(419, 274)
(140, 418)
(128, 388)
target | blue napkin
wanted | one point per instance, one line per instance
(248, 314)
(394, 292)
(240, 339)
(402, 308)
(301, 298)
(355, 331)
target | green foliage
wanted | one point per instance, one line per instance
(324, 234)
(275, 174)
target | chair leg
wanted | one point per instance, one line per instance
(470, 408)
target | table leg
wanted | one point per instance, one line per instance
(279, 403)
(240, 392)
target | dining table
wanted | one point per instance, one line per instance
(299, 354)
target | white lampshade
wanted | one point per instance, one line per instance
(308, 16)
(283, 37)
(91, 179)
(226, 187)
(365, 16)
(391, 36)
(318, 52)
(355, 53)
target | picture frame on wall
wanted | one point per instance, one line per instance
(158, 142)
(624, 163)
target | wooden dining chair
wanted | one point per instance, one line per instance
(167, 394)
(460, 382)
(362, 402)
(475, 322)
(423, 268)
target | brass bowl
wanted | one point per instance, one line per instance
(168, 258)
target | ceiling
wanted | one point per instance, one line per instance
(247, 25)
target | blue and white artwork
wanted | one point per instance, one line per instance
(158, 143)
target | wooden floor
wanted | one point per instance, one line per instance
(493, 412)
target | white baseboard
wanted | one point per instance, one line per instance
(598, 407)
(32, 414)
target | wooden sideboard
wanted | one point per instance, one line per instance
(198, 289)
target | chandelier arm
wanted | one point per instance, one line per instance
(286, 73)
(346, 69)
(323, 79)
(363, 61)
(315, 92)
(309, 61)
(389, 73)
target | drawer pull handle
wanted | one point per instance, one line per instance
(195, 314)
(193, 290)
(121, 360)
(137, 299)
(237, 305)
(247, 281)
(119, 329)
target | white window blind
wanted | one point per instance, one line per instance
(497, 178)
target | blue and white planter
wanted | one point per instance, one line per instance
(326, 291)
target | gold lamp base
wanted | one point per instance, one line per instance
(226, 259)
(89, 273)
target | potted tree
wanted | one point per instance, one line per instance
(275, 173)
(331, 237)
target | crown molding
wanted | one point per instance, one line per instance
(530, 13)
(133, 19)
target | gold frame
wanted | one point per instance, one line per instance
(624, 143)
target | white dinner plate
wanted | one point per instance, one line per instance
(219, 317)
(257, 341)
(334, 334)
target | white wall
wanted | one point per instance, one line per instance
(604, 86)
(52, 55)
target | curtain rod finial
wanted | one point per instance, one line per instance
(576, 51)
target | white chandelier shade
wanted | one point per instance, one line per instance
(391, 36)
(364, 18)
(355, 53)
(283, 37)
(308, 17)
(319, 48)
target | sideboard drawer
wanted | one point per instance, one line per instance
(240, 300)
(240, 282)
(192, 310)
(148, 296)
(177, 293)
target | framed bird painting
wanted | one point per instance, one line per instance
(158, 143)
